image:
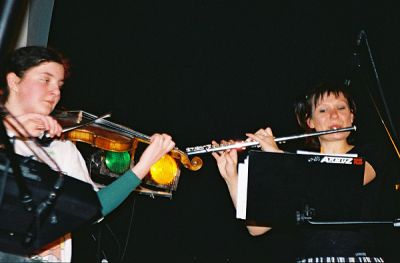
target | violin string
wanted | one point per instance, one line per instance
(114, 126)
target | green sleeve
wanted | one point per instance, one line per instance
(115, 193)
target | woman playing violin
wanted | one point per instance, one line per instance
(326, 107)
(31, 83)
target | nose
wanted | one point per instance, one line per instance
(334, 113)
(54, 89)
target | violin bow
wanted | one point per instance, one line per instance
(87, 123)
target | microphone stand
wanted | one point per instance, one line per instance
(393, 139)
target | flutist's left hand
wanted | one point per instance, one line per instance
(266, 139)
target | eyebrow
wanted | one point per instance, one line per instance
(51, 75)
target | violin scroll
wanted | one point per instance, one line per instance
(195, 164)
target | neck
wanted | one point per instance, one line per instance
(335, 147)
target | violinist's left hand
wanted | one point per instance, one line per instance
(33, 125)
(160, 144)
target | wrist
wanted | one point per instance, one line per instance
(140, 170)
(232, 182)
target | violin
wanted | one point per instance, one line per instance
(110, 136)
(81, 126)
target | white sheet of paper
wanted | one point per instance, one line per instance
(241, 200)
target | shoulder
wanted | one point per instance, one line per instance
(365, 149)
(372, 153)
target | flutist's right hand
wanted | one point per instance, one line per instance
(227, 162)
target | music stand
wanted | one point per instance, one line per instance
(23, 231)
(284, 189)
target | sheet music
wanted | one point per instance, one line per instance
(241, 200)
(241, 205)
(330, 154)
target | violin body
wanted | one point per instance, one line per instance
(115, 144)
(94, 134)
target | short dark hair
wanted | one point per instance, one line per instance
(24, 58)
(303, 106)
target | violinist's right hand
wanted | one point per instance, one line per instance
(160, 144)
(33, 125)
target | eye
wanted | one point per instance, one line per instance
(321, 110)
(45, 80)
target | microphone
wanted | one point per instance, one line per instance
(355, 63)
(360, 37)
(356, 53)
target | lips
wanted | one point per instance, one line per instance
(50, 102)
(335, 126)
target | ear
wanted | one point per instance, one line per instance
(310, 123)
(13, 81)
(352, 118)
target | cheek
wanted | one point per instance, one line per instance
(32, 96)
(29, 88)
(348, 118)
(309, 123)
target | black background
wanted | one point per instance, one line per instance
(211, 70)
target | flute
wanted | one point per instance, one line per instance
(240, 145)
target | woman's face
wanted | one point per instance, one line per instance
(38, 91)
(331, 112)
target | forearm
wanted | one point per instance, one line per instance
(232, 188)
(257, 230)
(253, 228)
(114, 194)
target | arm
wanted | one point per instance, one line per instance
(227, 165)
(369, 173)
(114, 194)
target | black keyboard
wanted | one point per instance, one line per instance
(361, 259)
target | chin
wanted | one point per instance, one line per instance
(44, 111)
(336, 136)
